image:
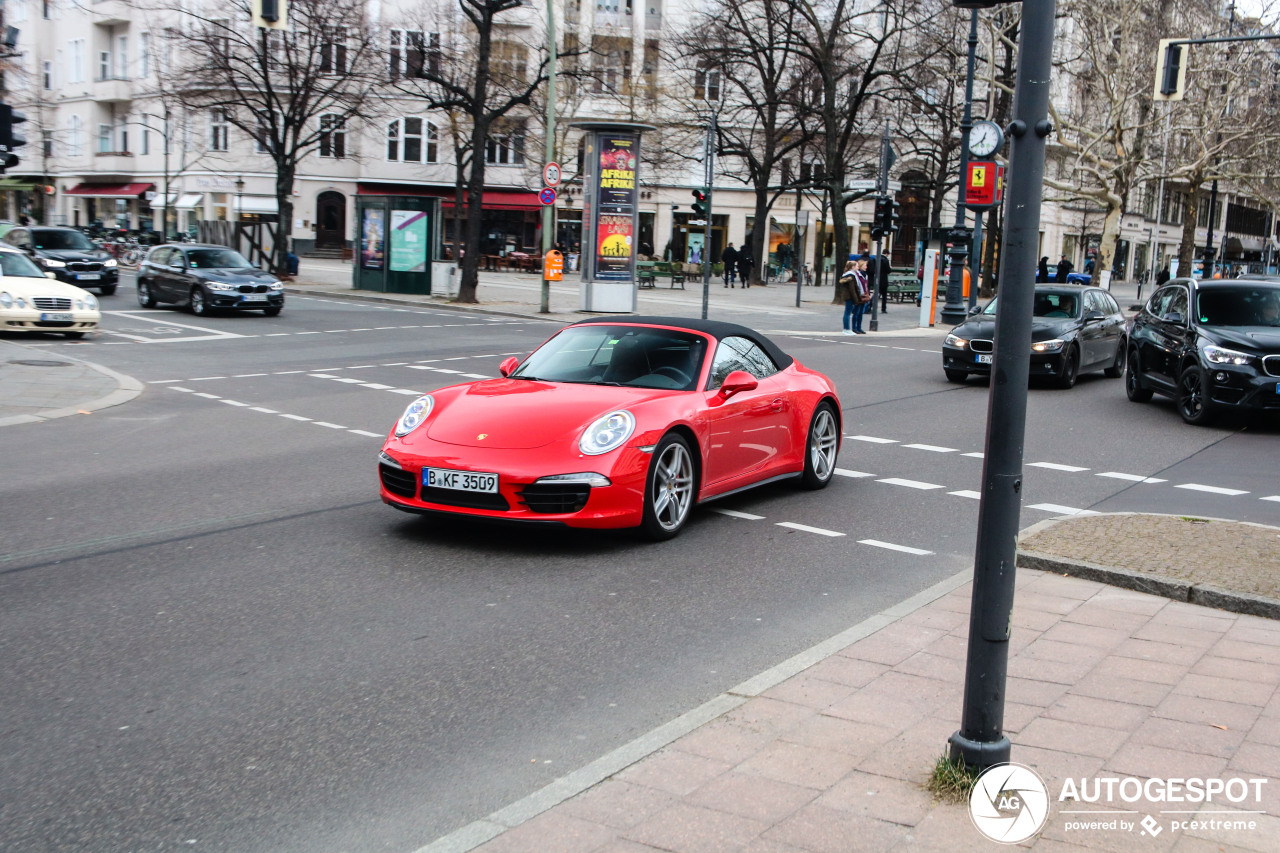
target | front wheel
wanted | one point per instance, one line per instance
(272, 312)
(146, 298)
(199, 305)
(1116, 370)
(1193, 397)
(956, 376)
(821, 450)
(1133, 387)
(1070, 369)
(669, 489)
(75, 336)
(107, 290)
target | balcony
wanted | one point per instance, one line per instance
(113, 162)
(108, 90)
(113, 13)
(610, 15)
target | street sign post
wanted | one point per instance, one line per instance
(551, 174)
(547, 196)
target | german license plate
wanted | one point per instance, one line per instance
(88, 276)
(462, 481)
(982, 358)
(56, 318)
(253, 297)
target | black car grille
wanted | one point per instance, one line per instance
(84, 266)
(52, 303)
(469, 500)
(555, 497)
(1271, 364)
(249, 288)
(397, 481)
(980, 345)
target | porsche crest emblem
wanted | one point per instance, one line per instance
(482, 436)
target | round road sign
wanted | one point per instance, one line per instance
(547, 196)
(551, 175)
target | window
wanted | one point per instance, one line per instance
(144, 55)
(333, 53)
(735, 353)
(411, 140)
(146, 140)
(508, 59)
(505, 149)
(262, 139)
(218, 129)
(105, 132)
(432, 144)
(75, 61)
(46, 74)
(706, 83)
(413, 53)
(104, 65)
(123, 135)
(122, 57)
(612, 65)
(46, 142)
(219, 30)
(47, 9)
(333, 136)
(75, 136)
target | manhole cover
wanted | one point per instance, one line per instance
(39, 362)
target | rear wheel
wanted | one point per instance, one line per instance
(1193, 397)
(669, 489)
(146, 298)
(956, 376)
(1116, 370)
(1133, 387)
(1070, 369)
(199, 305)
(821, 449)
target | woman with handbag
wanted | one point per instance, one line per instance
(861, 292)
(847, 291)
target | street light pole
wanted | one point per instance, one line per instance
(548, 210)
(953, 311)
(980, 742)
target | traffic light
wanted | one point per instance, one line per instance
(270, 14)
(701, 209)
(1171, 74)
(885, 220)
(10, 138)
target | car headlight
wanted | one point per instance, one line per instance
(218, 285)
(1222, 355)
(52, 264)
(607, 433)
(277, 285)
(110, 262)
(6, 300)
(415, 414)
(956, 341)
(88, 302)
(586, 478)
(1054, 345)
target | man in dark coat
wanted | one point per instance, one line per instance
(880, 265)
(729, 257)
(744, 265)
(1064, 269)
(1163, 276)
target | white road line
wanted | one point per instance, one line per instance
(235, 403)
(457, 358)
(476, 376)
(366, 433)
(967, 493)
(335, 331)
(208, 396)
(1213, 490)
(845, 472)
(807, 529)
(1133, 478)
(876, 543)
(1054, 466)
(375, 386)
(977, 455)
(287, 372)
(406, 391)
(908, 349)
(361, 366)
(329, 425)
(733, 513)
(295, 417)
(1062, 510)
(910, 484)
(162, 381)
(247, 375)
(1275, 498)
(879, 346)
(264, 410)
(278, 335)
(932, 448)
(204, 378)
(183, 390)
(872, 439)
(308, 333)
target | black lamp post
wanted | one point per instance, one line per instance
(239, 210)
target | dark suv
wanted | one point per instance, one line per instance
(68, 254)
(1210, 345)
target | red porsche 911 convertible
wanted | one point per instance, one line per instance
(616, 422)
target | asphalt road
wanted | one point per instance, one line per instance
(217, 638)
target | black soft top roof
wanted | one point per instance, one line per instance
(715, 328)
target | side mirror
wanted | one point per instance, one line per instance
(975, 310)
(737, 382)
(508, 366)
(1174, 317)
(1094, 316)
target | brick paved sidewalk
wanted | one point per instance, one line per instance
(834, 757)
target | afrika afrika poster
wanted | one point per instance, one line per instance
(616, 207)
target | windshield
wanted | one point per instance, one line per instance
(12, 263)
(215, 259)
(1050, 305)
(618, 355)
(1242, 305)
(61, 240)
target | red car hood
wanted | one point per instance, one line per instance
(519, 414)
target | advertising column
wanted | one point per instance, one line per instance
(610, 217)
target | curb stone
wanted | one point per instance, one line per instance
(428, 300)
(127, 388)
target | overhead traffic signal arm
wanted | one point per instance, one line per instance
(1171, 71)
(10, 136)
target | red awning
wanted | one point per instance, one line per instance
(493, 199)
(110, 190)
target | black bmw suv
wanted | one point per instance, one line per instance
(1210, 345)
(69, 255)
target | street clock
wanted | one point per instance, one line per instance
(985, 139)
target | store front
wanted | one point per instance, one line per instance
(108, 205)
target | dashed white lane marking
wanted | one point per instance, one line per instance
(1133, 478)
(329, 425)
(205, 378)
(408, 392)
(376, 386)
(873, 439)
(365, 432)
(295, 417)
(910, 484)
(977, 455)
(208, 396)
(264, 410)
(967, 493)
(476, 376)
(733, 513)
(1062, 510)
(932, 448)
(1054, 466)
(807, 529)
(845, 472)
(1213, 490)
(876, 543)
(235, 403)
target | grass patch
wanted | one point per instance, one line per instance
(1194, 520)
(951, 781)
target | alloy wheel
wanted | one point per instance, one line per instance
(672, 494)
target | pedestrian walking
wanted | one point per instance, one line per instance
(881, 277)
(744, 265)
(729, 257)
(1064, 269)
(1042, 271)
(846, 291)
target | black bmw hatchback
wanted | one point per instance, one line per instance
(1074, 330)
(69, 255)
(207, 278)
(1210, 345)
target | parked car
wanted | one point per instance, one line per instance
(616, 422)
(68, 254)
(31, 301)
(1210, 345)
(1074, 330)
(207, 278)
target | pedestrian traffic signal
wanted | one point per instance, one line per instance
(1171, 74)
(10, 137)
(885, 220)
(700, 207)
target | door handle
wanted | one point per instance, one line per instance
(779, 404)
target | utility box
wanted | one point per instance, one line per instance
(398, 239)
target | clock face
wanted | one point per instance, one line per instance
(984, 138)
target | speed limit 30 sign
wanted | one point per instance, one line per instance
(551, 174)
